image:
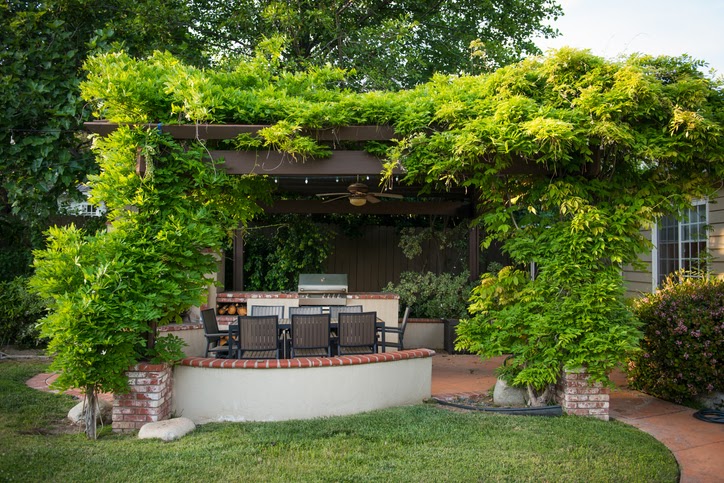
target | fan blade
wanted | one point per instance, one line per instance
(335, 199)
(332, 194)
(371, 198)
(388, 195)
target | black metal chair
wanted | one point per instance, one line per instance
(214, 337)
(255, 337)
(305, 309)
(399, 331)
(310, 335)
(356, 333)
(335, 310)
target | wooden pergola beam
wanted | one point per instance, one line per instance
(397, 207)
(230, 131)
(273, 163)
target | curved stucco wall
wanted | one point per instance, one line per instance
(280, 390)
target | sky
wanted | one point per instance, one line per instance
(611, 28)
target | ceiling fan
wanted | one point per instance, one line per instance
(358, 194)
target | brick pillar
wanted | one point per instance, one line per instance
(149, 399)
(577, 395)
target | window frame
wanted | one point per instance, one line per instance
(680, 242)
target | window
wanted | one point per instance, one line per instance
(681, 244)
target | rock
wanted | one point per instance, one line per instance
(104, 412)
(713, 400)
(505, 395)
(166, 430)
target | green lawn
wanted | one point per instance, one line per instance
(420, 443)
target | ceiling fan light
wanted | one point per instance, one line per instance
(357, 201)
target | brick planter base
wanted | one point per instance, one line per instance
(577, 395)
(149, 399)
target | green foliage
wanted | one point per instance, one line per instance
(681, 352)
(571, 156)
(20, 311)
(390, 46)
(42, 154)
(573, 313)
(274, 259)
(110, 290)
(15, 248)
(433, 296)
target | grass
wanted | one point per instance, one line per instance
(419, 443)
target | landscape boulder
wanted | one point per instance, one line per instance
(505, 395)
(104, 412)
(167, 430)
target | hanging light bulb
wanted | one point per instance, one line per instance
(306, 181)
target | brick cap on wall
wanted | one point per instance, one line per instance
(306, 361)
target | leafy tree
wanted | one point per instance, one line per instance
(391, 45)
(43, 154)
(572, 156)
(109, 291)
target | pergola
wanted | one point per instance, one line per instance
(307, 178)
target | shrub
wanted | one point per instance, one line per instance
(683, 345)
(20, 311)
(433, 296)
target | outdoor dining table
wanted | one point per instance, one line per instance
(285, 327)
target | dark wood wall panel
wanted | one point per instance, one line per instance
(373, 259)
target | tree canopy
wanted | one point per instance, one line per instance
(391, 45)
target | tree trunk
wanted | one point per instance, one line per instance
(90, 412)
(535, 400)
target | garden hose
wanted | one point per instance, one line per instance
(710, 415)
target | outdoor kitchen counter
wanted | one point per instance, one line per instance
(385, 304)
(243, 297)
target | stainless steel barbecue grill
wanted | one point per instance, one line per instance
(322, 289)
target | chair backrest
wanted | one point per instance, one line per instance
(310, 331)
(258, 333)
(357, 329)
(335, 310)
(305, 309)
(211, 326)
(277, 310)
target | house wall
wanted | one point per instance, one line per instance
(641, 281)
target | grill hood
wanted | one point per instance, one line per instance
(322, 282)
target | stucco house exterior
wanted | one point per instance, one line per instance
(682, 244)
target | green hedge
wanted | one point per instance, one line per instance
(20, 311)
(682, 348)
